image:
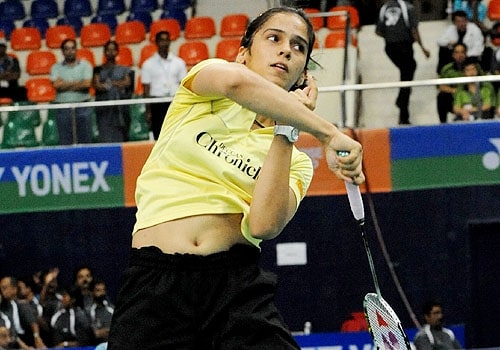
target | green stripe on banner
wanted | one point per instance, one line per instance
(27, 197)
(438, 172)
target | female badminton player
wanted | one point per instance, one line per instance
(223, 176)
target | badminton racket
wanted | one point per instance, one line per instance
(383, 323)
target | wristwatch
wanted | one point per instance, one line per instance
(289, 131)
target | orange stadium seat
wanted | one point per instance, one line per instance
(147, 51)
(193, 52)
(86, 54)
(40, 62)
(202, 27)
(139, 88)
(94, 34)
(40, 90)
(336, 39)
(317, 22)
(55, 35)
(233, 25)
(25, 38)
(125, 57)
(170, 25)
(493, 11)
(132, 32)
(339, 22)
(227, 49)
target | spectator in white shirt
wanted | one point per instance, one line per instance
(161, 75)
(461, 31)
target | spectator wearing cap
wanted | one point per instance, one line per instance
(9, 75)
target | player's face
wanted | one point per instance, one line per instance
(279, 50)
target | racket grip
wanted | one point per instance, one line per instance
(355, 201)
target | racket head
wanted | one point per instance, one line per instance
(384, 325)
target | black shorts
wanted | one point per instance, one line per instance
(223, 301)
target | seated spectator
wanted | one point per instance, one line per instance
(476, 12)
(82, 280)
(70, 325)
(473, 100)
(495, 57)
(26, 295)
(433, 335)
(6, 332)
(461, 31)
(9, 75)
(49, 298)
(5, 339)
(100, 311)
(446, 93)
(23, 322)
(112, 82)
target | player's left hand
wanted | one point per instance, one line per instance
(307, 94)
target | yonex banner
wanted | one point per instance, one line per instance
(465, 154)
(61, 178)
(103, 176)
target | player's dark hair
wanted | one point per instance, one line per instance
(258, 22)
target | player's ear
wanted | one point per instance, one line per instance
(241, 56)
(301, 82)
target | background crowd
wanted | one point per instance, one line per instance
(38, 312)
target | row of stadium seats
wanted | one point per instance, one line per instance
(40, 61)
(134, 31)
(128, 32)
(15, 9)
(39, 89)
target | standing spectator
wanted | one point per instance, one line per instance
(398, 25)
(22, 320)
(112, 82)
(161, 75)
(473, 100)
(9, 75)
(446, 93)
(100, 312)
(72, 79)
(461, 31)
(433, 335)
(70, 325)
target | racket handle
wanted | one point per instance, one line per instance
(354, 195)
(355, 201)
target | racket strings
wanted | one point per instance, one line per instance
(385, 325)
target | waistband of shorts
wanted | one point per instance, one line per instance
(153, 257)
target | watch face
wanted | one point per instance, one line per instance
(295, 134)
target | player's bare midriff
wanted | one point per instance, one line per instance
(201, 234)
